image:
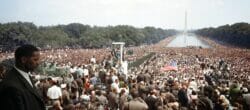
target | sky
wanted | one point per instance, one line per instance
(166, 14)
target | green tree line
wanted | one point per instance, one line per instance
(76, 35)
(237, 34)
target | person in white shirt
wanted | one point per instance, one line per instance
(93, 60)
(193, 84)
(54, 92)
(115, 85)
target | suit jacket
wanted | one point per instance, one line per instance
(122, 100)
(113, 100)
(102, 100)
(17, 94)
(183, 98)
(151, 101)
(135, 104)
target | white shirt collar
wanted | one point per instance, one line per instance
(25, 75)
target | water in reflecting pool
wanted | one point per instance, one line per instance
(191, 40)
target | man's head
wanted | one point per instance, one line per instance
(27, 57)
(135, 94)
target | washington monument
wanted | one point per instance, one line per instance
(185, 29)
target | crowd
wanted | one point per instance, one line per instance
(205, 79)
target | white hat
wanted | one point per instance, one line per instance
(85, 97)
(245, 89)
(142, 82)
(171, 77)
(63, 85)
(54, 79)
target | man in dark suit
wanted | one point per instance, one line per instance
(113, 99)
(17, 91)
(151, 100)
(137, 103)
